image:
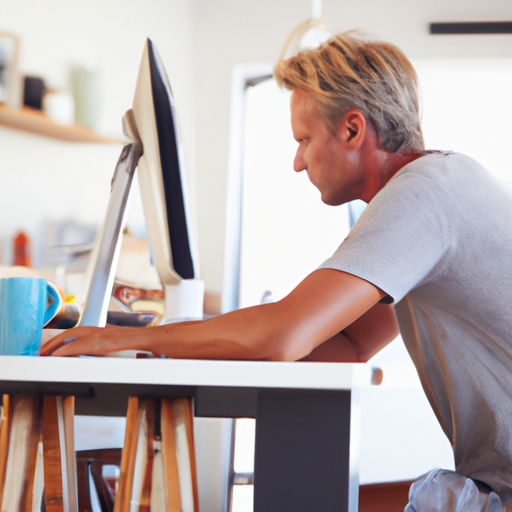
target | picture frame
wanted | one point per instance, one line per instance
(10, 78)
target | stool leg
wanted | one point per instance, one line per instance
(144, 464)
(38, 492)
(4, 441)
(186, 408)
(60, 473)
(158, 484)
(67, 404)
(148, 474)
(136, 408)
(105, 494)
(84, 497)
(22, 430)
(169, 458)
(179, 455)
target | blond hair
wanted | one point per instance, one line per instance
(350, 71)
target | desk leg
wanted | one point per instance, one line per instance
(306, 451)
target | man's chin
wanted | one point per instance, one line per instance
(334, 201)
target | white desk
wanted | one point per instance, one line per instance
(306, 413)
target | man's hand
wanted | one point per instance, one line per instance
(89, 340)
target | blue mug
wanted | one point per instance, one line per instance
(26, 305)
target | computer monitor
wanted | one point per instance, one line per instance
(154, 148)
(160, 171)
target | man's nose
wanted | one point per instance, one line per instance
(298, 163)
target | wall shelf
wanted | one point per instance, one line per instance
(34, 121)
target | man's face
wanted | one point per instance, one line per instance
(330, 164)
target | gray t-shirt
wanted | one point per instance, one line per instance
(438, 240)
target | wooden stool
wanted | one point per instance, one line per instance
(158, 463)
(94, 461)
(25, 420)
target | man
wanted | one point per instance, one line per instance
(435, 240)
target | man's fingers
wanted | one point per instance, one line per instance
(67, 337)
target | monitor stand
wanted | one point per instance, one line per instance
(183, 301)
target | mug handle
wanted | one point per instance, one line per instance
(53, 304)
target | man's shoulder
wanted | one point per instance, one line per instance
(438, 181)
(447, 169)
(433, 160)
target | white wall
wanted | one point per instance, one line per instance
(44, 181)
(405, 23)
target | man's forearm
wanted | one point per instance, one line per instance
(338, 349)
(360, 340)
(251, 333)
(289, 329)
(372, 331)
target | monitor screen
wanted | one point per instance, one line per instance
(161, 176)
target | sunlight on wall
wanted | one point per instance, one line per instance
(467, 107)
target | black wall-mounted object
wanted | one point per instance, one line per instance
(472, 27)
(33, 91)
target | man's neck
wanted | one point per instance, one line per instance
(385, 165)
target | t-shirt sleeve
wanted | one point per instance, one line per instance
(401, 240)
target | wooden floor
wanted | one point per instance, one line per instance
(387, 497)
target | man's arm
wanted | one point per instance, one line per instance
(360, 340)
(322, 305)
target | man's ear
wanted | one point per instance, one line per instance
(352, 128)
